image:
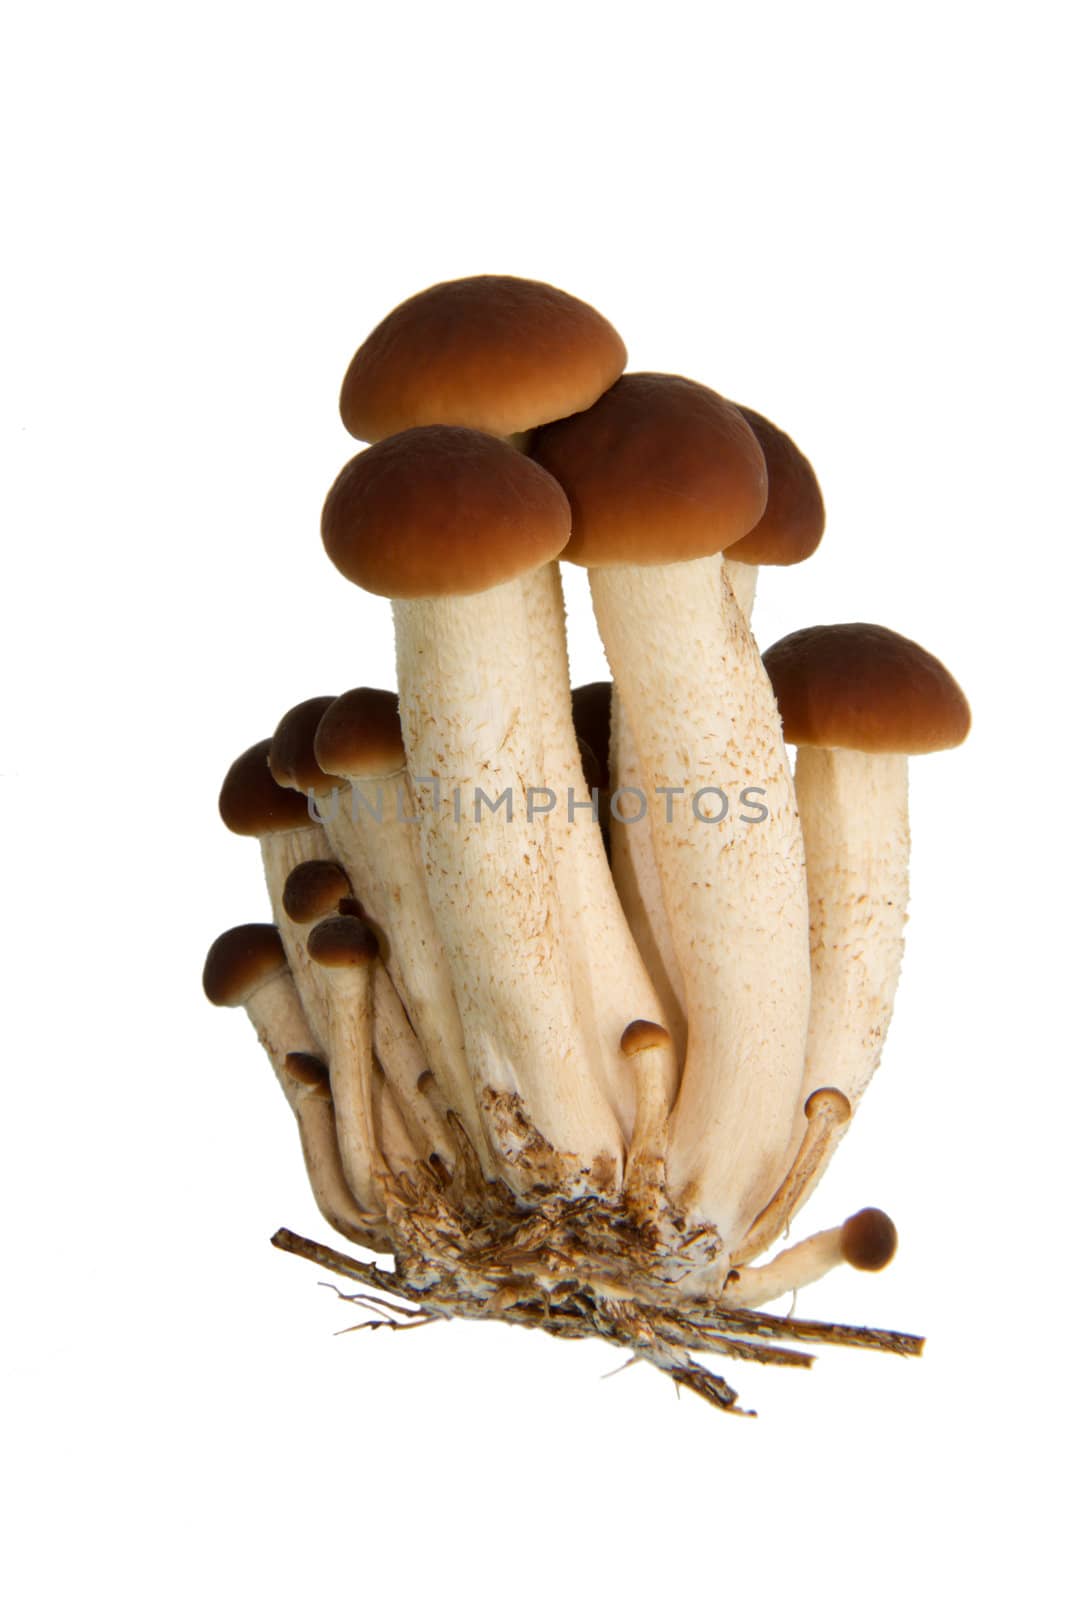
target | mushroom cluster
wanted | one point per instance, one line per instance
(574, 992)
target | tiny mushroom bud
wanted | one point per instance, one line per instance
(791, 527)
(857, 700)
(827, 1112)
(646, 1046)
(867, 1241)
(662, 475)
(446, 521)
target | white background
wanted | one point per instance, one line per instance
(845, 217)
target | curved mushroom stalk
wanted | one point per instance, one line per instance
(705, 725)
(827, 1112)
(867, 1241)
(306, 1081)
(470, 720)
(633, 867)
(611, 983)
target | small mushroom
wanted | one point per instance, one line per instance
(375, 830)
(867, 1241)
(792, 525)
(319, 889)
(857, 700)
(345, 948)
(446, 521)
(826, 1112)
(253, 803)
(662, 475)
(648, 1048)
(246, 966)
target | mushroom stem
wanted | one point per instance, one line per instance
(854, 812)
(372, 825)
(742, 576)
(404, 1064)
(610, 979)
(306, 1083)
(491, 883)
(827, 1112)
(647, 1046)
(706, 727)
(633, 867)
(343, 949)
(866, 1241)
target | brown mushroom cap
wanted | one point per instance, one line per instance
(869, 1240)
(591, 709)
(240, 961)
(308, 1071)
(496, 353)
(315, 889)
(359, 736)
(292, 750)
(342, 942)
(792, 525)
(660, 469)
(643, 1035)
(442, 511)
(252, 803)
(857, 686)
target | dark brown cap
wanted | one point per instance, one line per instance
(292, 750)
(360, 737)
(856, 686)
(240, 961)
(496, 353)
(792, 525)
(591, 708)
(659, 470)
(829, 1103)
(591, 769)
(250, 802)
(342, 942)
(442, 511)
(309, 1072)
(314, 889)
(643, 1035)
(869, 1240)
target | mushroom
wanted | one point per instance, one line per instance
(496, 353)
(857, 700)
(252, 803)
(344, 948)
(375, 830)
(503, 355)
(867, 1241)
(662, 475)
(246, 966)
(319, 889)
(446, 521)
(826, 1113)
(647, 1046)
(792, 525)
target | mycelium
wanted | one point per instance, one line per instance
(474, 1027)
